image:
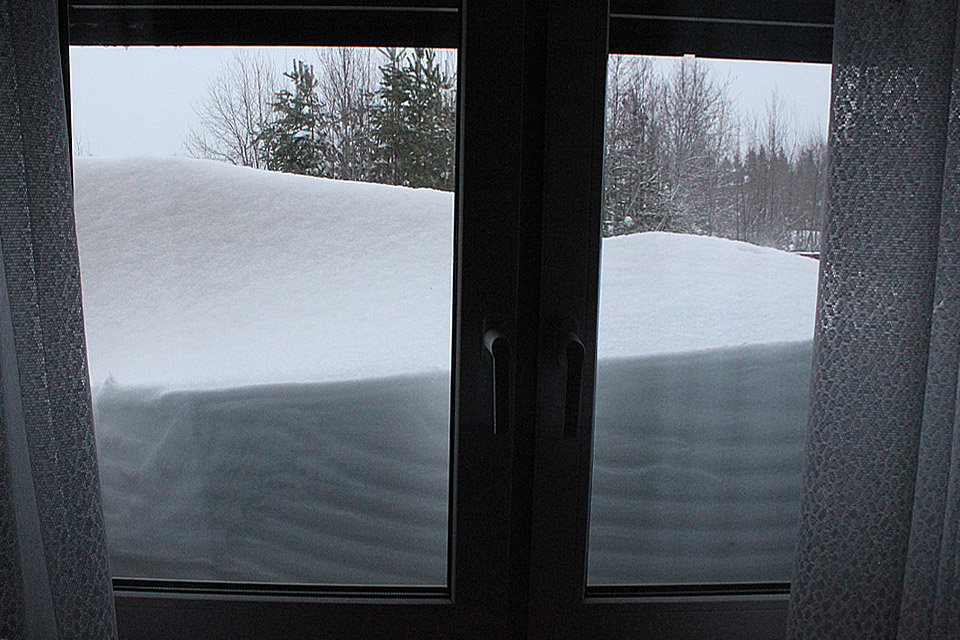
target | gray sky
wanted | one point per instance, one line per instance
(801, 87)
(138, 101)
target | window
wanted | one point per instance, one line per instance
(526, 240)
(568, 603)
(278, 408)
(715, 186)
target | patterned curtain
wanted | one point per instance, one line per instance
(878, 551)
(54, 576)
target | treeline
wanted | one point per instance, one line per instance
(350, 116)
(679, 157)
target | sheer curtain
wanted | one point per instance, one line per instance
(877, 555)
(54, 576)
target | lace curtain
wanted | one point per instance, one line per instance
(877, 556)
(54, 576)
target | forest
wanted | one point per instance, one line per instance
(681, 157)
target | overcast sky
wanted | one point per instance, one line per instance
(138, 101)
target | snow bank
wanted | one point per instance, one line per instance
(697, 466)
(270, 357)
(198, 274)
(337, 483)
(669, 293)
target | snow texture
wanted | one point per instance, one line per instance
(270, 359)
(198, 274)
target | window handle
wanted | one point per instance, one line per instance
(499, 350)
(574, 354)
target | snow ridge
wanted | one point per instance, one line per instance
(198, 274)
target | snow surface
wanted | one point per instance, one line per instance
(697, 466)
(668, 293)
(198, 274)
(270, 361)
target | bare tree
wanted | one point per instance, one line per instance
(696, 112)
(347, 79)
(81, 146)
(679, 158)
(234, 111)
(771, 196)
(636, 195)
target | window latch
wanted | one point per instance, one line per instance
(573, 356)
(498, 347)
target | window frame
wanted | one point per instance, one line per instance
(508, 167)
(482, 571)
(566, 606)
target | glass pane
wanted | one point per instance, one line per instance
(266, 248)
(714, 194)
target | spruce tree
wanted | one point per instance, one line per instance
(391, 133)
(414, 122)
(432, 122)
(294, 140)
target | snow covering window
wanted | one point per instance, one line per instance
(712, 211)
(267, 290)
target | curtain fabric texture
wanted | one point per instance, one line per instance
(878, 547)
(54, 576)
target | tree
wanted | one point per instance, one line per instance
(234, 112)
(390, 130)
(677, 158)
(811, 178)
(294, 141)
(778, 186)
(668, 138)
(695, 111)
(346, 87)
(81, 146)
(414, 122)
(636, 194)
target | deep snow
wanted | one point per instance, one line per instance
(270, 362)
(199, 274)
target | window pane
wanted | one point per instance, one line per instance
(715, 183)
(267, 288)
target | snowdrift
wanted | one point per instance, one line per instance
(198, 274)
(269, 356)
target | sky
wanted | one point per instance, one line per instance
(139, 101)
(802, 88)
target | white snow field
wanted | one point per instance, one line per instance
(270, 354)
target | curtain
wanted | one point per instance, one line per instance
(878, 547)
(54, 576)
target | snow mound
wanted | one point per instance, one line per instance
(198, 274)
(666, 293)
(270, 356)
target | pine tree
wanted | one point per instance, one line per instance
(391, 133)
(415, 121)
(294, 141)
(432, 121)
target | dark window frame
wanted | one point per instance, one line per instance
(800, 31)
(566, 607)
(481, 468)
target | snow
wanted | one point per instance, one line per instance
(668, 293)
(198, 274)
(697, 466)
(270, 359)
